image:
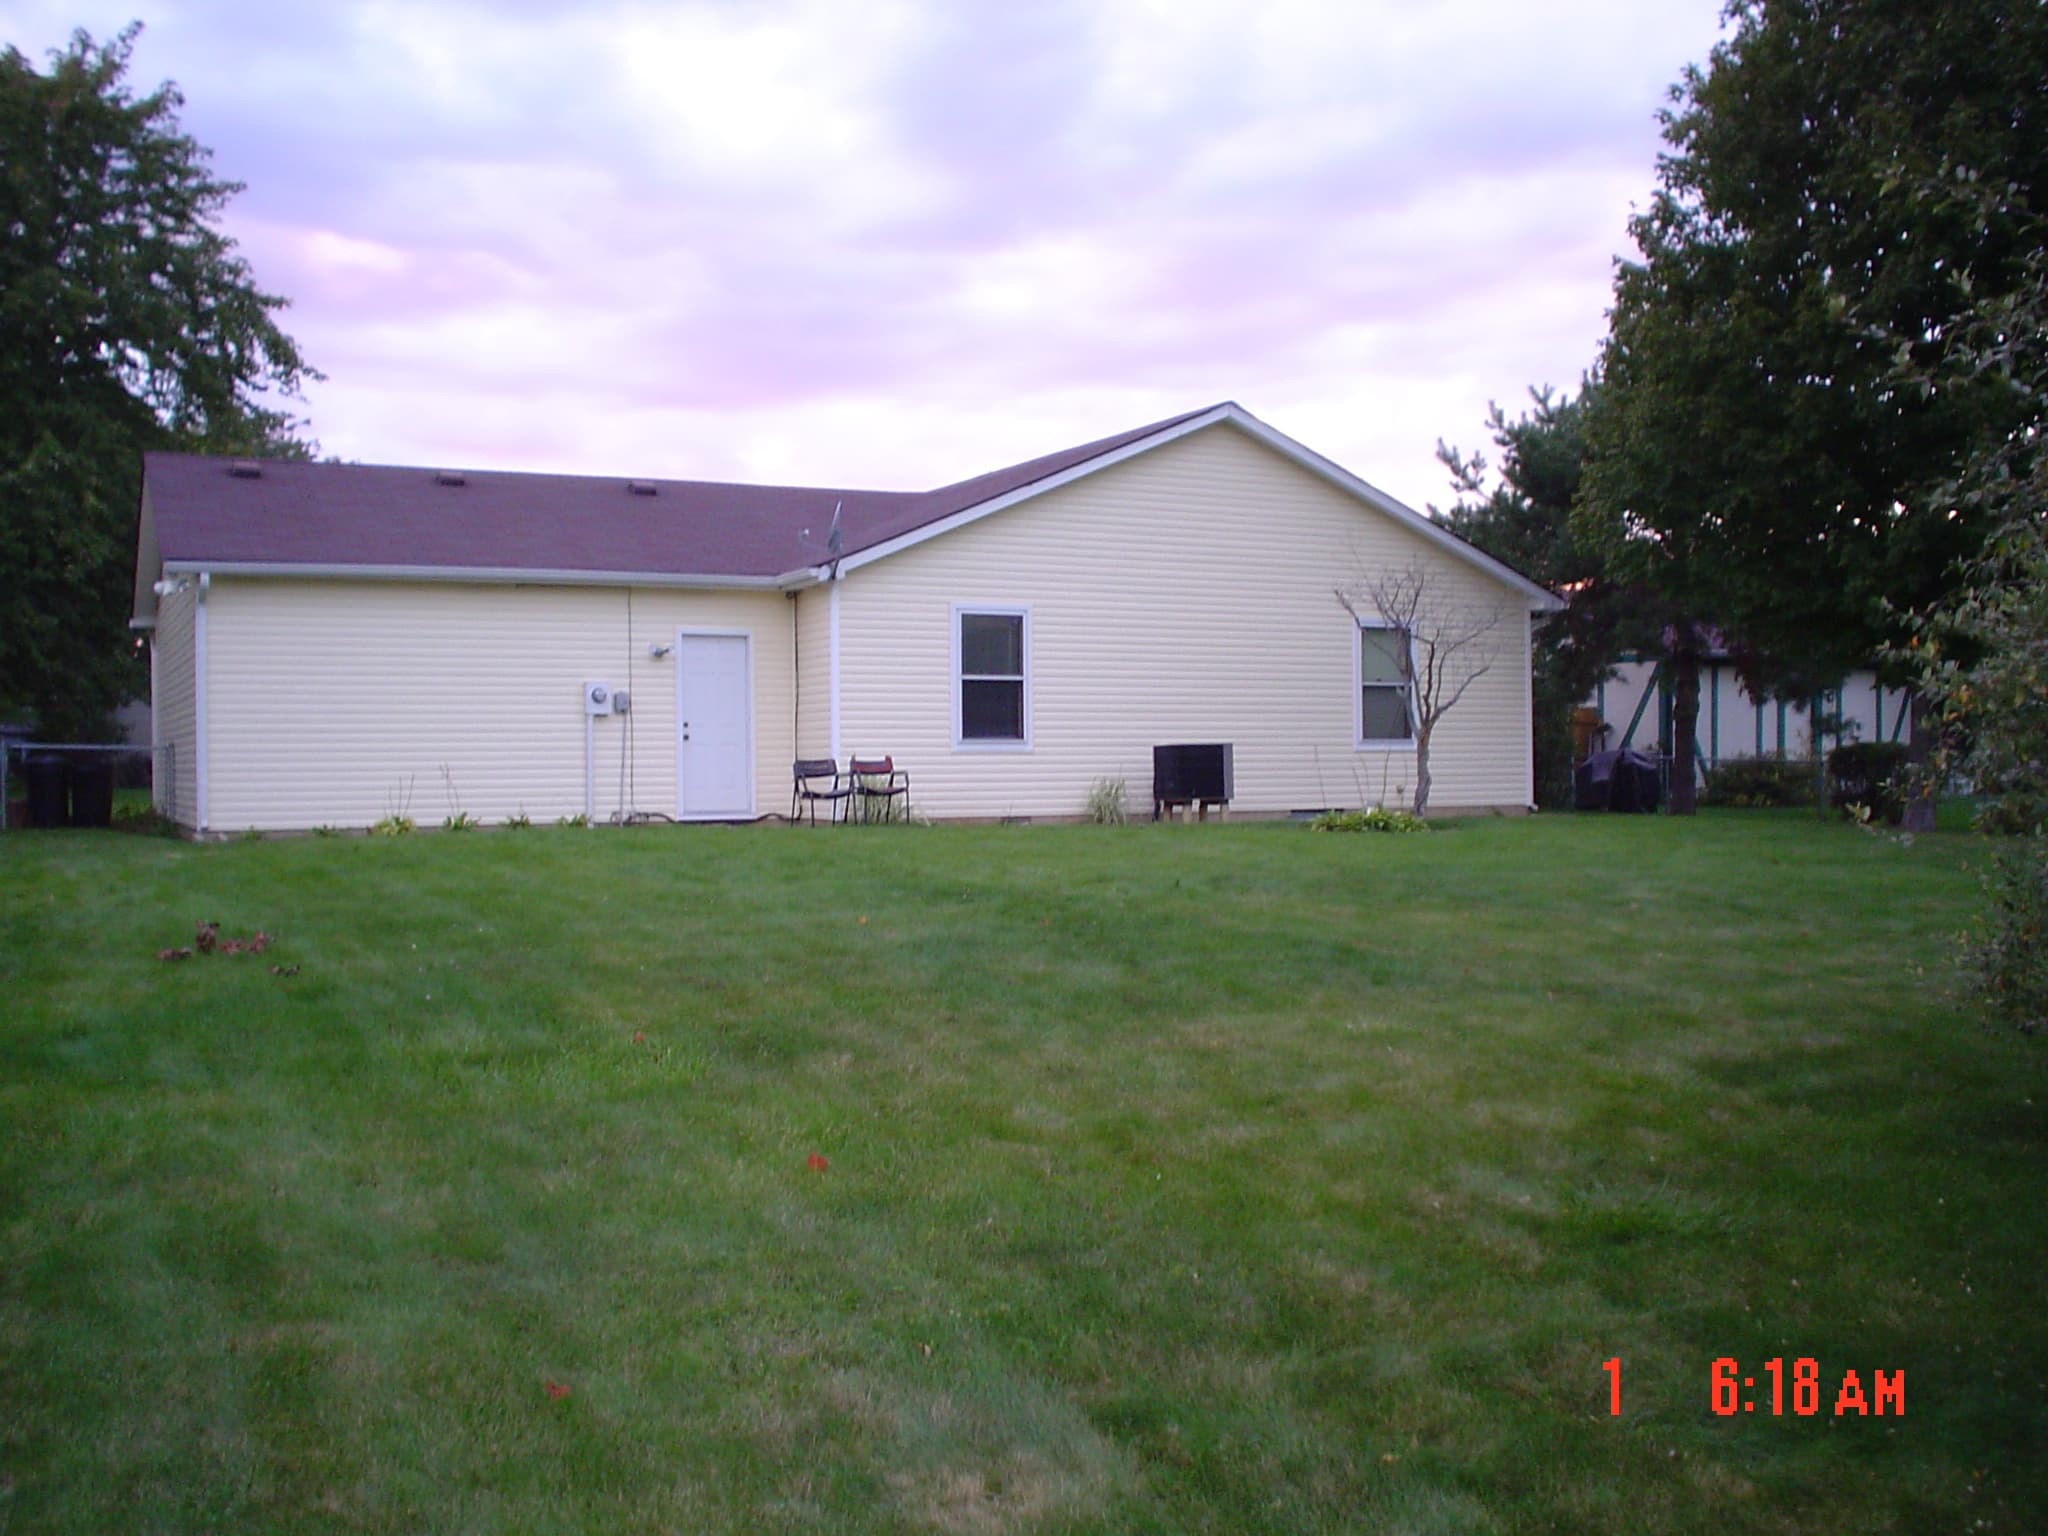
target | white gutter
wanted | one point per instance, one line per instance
(495, 575)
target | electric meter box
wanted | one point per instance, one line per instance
(597, 698)
(622, 701)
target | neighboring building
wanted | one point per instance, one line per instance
(1635, 704)
(332, 644)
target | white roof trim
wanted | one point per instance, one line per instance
(493, 575)
(1539, 598)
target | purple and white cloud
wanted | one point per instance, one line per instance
(896, 243)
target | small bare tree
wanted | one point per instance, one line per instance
(1452, 643)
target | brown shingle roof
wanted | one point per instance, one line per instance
(357, 515)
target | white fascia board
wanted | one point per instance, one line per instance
(994, 504)
(142, 624)
(1539, 599)
(491, 575)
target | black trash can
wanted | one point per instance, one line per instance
(1593, 782)
(92, 792)
(1624, 780)
(49, 790)
(1638, 783)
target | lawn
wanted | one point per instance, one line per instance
(1012, 1180)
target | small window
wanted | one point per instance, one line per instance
(992, 698)
(1386, 683)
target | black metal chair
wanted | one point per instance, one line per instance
(806, 774)
(878, 784)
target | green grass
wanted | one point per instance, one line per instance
(1181, 1180)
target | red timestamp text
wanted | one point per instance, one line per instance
(1800, 1390)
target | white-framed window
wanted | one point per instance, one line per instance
(1386, 686)
(991, 677)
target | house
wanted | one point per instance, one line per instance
(1634, 705)
(332, 644)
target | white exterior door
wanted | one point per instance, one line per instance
(714, 725)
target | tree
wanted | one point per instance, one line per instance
(1981, 657)
(1521, 515)
(1754, 455)
(1984, 664)
(1440, 645)
(127, 322)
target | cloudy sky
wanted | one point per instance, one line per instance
(892, 243)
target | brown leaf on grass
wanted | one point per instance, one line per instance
(284, 970)
(557, 1391)
(259, 943)
(818, 1162)
(231, 946)
(174, 954)
(206, 939)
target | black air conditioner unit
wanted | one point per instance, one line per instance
(1192, 773)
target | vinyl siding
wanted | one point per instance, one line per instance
(1185, 595)
(814, 672)
(338, 703)
(174, 696)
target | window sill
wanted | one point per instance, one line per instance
(991, 746)
(1385, 746)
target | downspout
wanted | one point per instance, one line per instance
(157, 776)
(832, 621)
(201, 785)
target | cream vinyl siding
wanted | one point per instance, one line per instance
(1185, 595)
(814, 675)
(174, 696)
(338, 703)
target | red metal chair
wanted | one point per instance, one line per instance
(878, 785)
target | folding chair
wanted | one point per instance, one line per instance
(878, 779)
(806, 774)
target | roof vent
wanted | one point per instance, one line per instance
(640, 487)
(246, 469)
(450, 477)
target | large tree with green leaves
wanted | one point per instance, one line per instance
(127, 321)
(1756, 458)
(1981, 657)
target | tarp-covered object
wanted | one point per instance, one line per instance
(1617, 781)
